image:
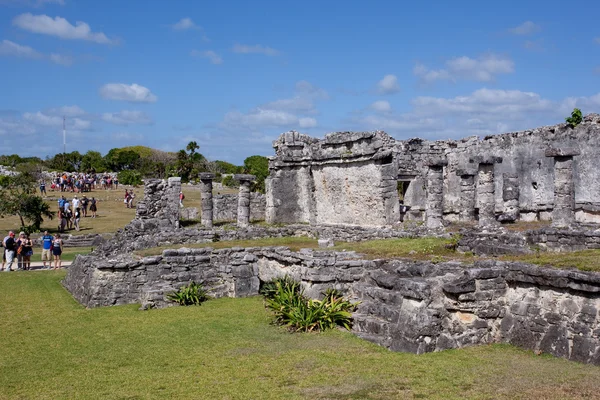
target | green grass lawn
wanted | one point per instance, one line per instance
(52, 348)
(419, 248)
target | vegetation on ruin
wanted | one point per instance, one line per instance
(584, 260)
(53, 348)
(428, 248)
(192, 294)
(575, 119)
(285, 298)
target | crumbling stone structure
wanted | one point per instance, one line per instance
(160, 206)
(243, 217)
(352, 178)
(347, 178)
(406, 305)
(206, 199)
(435, 187)
(564, 193)
(347, 187)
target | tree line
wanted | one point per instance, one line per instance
(135, 163)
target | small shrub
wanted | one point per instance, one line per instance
(230, 182)
(575, 119)
(130, 177)
(285, 297)
(191, 295)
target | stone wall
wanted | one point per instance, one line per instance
(350, 177)
(405, 305)
(347, 178)
(160, 206)
(225, 207)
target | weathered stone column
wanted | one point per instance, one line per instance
(206, 199)
(510, 196)
(563, 214)
(467, 193)
(434, 207)
(171, 210)
(243, 219)
(486, 189)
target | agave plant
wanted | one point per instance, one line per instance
(286, 299)
(192, 294)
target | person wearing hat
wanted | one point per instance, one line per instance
(9, 250)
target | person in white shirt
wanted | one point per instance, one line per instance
(75, 202)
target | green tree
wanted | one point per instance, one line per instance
(18, 198)
(69, 162)
(575, 119)
(93, 161)
(258, 166)
(118, 159)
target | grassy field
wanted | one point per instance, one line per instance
(112, 213)
(52, 348)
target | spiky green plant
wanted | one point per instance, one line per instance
(192, 294)
(286, 299)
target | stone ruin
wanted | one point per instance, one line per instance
(348, 187)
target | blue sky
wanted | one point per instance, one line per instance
(233, 75)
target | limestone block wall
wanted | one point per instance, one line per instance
(225, 207)
(405, 305)
(160, 205)
(353, 194)
(346, 178)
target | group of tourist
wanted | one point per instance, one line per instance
(70, 213)
(78, 183)
(21, 249)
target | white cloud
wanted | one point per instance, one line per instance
(61, 59)
(482, 112)
(12, 49)
(310, 90)
(32, 3)
(526, 28)
(482, 69)
(68, 111)
(40, 119)
(60, 27)
(289, 113)
(185, 24)
(8, 48)
(126, 117)
(255, 49)
(388, 85)
(381, 106)
(307, 122)
(133, 93)
(213, 57)
(597, 40)
(261, 118)
(126, 136)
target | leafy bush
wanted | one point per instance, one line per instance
(130, 177)
(229, 181)
(191, 295)
(285, 297)
(575, 118)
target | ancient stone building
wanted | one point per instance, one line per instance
(358, 178)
